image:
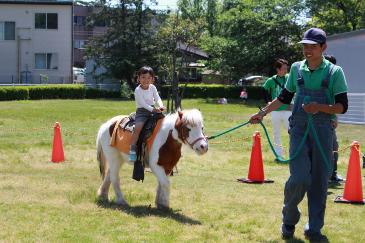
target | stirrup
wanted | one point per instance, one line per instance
(132, 156)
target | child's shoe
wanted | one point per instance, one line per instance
(132, 156)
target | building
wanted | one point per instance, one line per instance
(349, 50)
(36, 41)
(82, 33)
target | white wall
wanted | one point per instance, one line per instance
(349, 50)
(37, 41)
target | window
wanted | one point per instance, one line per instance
(80, 44)
(7, 30)
(46, 61)
(46, 21)
(79, 20)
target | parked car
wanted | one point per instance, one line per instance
(78, 75)
(251, 80)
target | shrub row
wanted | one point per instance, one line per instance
(54, 92)
(215, 91)
(81, 92)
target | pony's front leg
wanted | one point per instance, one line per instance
(163, 188)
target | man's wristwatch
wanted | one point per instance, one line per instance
(262, 113)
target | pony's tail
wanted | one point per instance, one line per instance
(101, 158)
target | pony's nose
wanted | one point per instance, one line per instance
(204, 147)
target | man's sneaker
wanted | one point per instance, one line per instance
(287, 231)
(315, 237)
(336, 179)
(132, 156)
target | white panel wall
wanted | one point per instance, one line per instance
(37, 41)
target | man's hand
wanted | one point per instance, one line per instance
(256, 118)
(312, 107)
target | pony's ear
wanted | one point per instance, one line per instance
(180, 113)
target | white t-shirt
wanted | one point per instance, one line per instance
(147, 98)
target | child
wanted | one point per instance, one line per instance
(243, 95)
(146, 96)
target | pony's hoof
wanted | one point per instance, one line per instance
(162, 207)
(122, 203)
(102, 200)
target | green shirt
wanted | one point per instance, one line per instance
(274, 89)
(313, 80)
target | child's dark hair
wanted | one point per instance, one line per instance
(280, 62)
(144, 70)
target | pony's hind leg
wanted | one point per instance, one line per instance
(104, 187)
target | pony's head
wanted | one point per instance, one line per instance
(189, 125)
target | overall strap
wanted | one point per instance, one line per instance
(300, 80)
(326, 80)
(277, 83)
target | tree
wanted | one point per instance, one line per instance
(251, 34)
(129, 41)
(336, 16)
(173, 34)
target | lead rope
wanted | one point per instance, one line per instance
(310, 126)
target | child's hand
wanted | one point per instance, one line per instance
(156, 110)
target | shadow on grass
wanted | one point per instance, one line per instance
(294, 240)
(146, 211)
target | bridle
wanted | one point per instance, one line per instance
(183, 132)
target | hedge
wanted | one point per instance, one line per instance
(215, 91)
(54, 92)
(82, 92)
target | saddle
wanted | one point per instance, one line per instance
(121, 132)
(121, 136)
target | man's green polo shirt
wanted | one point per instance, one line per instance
(313, 79)
(271, 86)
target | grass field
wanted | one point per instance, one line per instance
(46, 202)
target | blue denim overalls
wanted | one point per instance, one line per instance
(308, 171)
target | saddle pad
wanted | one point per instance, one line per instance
(121, 138)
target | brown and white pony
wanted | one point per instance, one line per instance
(183, 127)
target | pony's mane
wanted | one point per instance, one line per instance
(192, 117)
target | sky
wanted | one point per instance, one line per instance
(165, 4)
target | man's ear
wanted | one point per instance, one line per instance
(324, 47)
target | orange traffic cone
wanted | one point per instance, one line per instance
(353, 186)
(256, 170)
(57, 151)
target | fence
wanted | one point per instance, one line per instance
(356, 111)
(27, 78)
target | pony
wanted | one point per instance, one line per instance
(182, 127)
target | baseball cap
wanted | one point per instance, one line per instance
(314, 36)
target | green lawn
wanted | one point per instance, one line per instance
(46, 202)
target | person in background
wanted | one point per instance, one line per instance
(273, 87)
(335, 178)
(320, 91)
(243, 95)
(146, 96)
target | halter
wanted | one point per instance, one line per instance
(183, 132)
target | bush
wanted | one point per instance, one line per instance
(214, 91)
(14, 93)
(54, 92)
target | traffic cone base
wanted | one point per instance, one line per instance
(256, 169)
(353, 186)
(248, 181)
(340, 199)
